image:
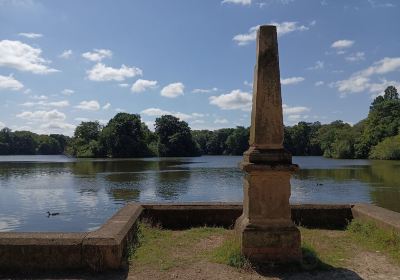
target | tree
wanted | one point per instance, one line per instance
(217, 143)
(85, 142)
(175, 138)
(48, 146)
(237, 142)
(125, 136)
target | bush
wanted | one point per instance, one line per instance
(387, 149)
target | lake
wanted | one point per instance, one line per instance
(86, 192)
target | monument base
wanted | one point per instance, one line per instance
(267, 156)
(269, 244)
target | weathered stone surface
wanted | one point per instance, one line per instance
(382, 217)
(106, 248)
(266, 229)
(266, 131)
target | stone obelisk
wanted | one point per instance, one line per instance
(266, 230)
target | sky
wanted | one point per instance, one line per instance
(64, 62)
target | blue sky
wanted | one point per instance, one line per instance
(63, 62)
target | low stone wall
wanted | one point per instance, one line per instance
(180, 216)
(382, 217)
(106, 248)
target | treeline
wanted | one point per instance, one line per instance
(376, 137)
(29, 143)
(125, 135)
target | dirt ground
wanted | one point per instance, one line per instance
(353, 262)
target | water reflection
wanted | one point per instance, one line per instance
(87, 192)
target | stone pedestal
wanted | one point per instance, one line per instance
(266, 230)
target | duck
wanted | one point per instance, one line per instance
(52, 214)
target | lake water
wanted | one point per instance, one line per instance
(87, 192)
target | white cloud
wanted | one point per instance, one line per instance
(288, 110)
(292, 80)
(2, 125)
(58, 104)
(30, 35)
(143, 85)
(97, 55)
(119, 110)
(10, 83)
(66, 54)
(100, 72)
(319, 83)
(107, 106)
(157, 112)
(20, 56)
(221, 121)
(173, 90)
(241, 2)
(68, 92)
(123, 85)
(39, 97)
(318, 65)
(356, 56)
(91, 105)
(53, 115)
(60, 126)
(234, 100)
(204, 90)
(361, 81)
(342, 44)
(282, 29)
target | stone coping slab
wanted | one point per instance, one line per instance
(382, 217)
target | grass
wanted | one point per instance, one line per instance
(375, 238)
(163, 249)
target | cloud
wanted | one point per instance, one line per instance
(292, 80)
(318, 65)
(283, 28)
(10, 83)
(123, 85)
(79, 119)
(157, 112)
(107, 106)
(356, 56)
(53, 115)
(361, 80)
(319, 83)
(100, 72)
(91, 105)
(288, 110)
(58, 126)
(342, 44)
(20, 56)
(241, 2)
(39, 97)
(68, 92)
(58, 104)
(66, 54)
(31, 35)
(143, 85)
(97, 55)
(2, 125)
(221, 121)
(204, 90)
(235, 100)
(173, 90)
(379, 4)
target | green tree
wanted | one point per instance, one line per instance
(48, 145)
(237, 142)
(86, 140)
(387, 149)
(175, 138)
(217, 142)
(125, 136)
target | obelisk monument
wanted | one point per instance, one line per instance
(266, 230)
